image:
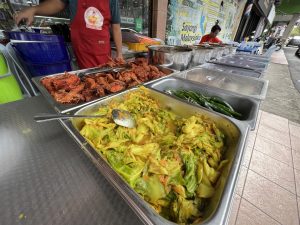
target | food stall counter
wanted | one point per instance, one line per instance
(45, 178)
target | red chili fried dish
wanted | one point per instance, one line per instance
(68, 88)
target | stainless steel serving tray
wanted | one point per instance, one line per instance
(247, 106)
(219, 206)
(252, 56)
(233, 70)
(251, 87)
(249, 57)
(64, 108)
(244, 64)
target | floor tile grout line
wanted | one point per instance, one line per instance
(238, 209)
(260, 210)
(273, 129)
(295, 124)
(280, 117)
(247, 168)
(273, 157)
(294, 172)
(267, 124)
(274, 182)
(274, 141)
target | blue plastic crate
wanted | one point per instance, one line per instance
(46, 69)
(42, 52)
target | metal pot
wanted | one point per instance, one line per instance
(174, 57)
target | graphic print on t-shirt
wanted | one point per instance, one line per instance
(93, 18)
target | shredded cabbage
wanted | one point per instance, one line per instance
(173, 163)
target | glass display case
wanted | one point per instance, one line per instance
(135, 15)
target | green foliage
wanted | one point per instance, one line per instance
(295, 31)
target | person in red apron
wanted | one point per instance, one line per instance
(91, 22)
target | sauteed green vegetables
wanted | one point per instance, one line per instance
(173, 163)
(214, 103)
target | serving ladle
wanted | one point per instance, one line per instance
(120, 117)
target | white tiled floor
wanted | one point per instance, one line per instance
(268, 189)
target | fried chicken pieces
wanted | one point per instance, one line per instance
(70, 89)
(113, 63)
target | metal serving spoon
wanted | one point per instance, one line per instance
(120, 117)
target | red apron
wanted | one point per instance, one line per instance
(90, 33)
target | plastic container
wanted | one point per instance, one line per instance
(251, 47)
(9, 87)
(200, 56)
(40, 48)
(42, 52)
(46, 69)
(27, 36)
(140, 47)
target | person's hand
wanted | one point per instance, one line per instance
(26, 14)
(119, 58)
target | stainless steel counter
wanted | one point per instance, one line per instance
(46, 179)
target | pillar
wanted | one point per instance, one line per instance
(159, 18)
(290, 26)
(238, 18)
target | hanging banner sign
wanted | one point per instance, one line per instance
(189, 33)
(189, 20)
(184, 22)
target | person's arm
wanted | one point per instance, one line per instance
(219, 41)
(203, 39)
(46, 8)
(115, 27)
(117, 36)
